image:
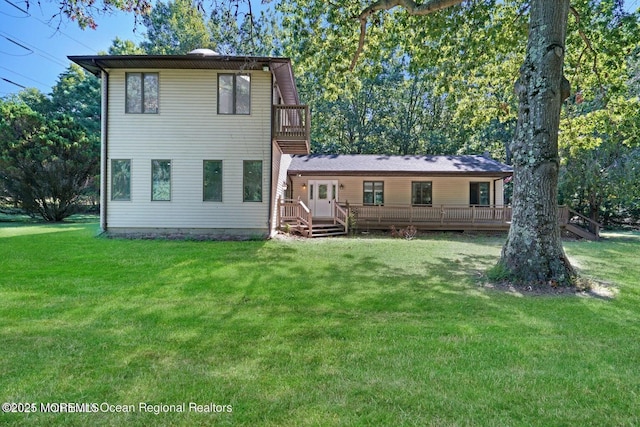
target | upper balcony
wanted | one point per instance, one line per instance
(291, 128)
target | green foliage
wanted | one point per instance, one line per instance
(392, 112)
(238, 32)
(179, 26)
(45, 164)
(601, 162)
(124, 47)
(77, 94)
(84, 12)
(175, 27)
(428, 88)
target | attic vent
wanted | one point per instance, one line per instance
(203, 52)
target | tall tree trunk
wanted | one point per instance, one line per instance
(533, 252)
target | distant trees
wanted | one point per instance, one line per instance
(180, 26)
(49, 146)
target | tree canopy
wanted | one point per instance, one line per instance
(49, 145)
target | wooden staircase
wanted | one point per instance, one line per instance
(581, 232)
(295, 216)
(579, 225)
(327, 229)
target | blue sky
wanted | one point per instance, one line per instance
(33, 53)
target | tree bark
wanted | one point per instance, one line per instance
(533, 252)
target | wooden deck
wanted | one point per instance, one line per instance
(297, 216)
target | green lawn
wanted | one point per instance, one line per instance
(326, 332)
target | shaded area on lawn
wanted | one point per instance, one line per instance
(319, 332)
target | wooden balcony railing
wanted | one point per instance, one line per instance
(291, 128)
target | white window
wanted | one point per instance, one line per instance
(234, 94)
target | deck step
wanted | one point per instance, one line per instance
(329, 233)
(327, 230)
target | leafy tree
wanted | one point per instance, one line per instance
(45, 165)
(35, 99)
(600, 158)
(243, 33)
(77, 94)
(84, 12)
(175, 27)
(391, 112)
(179, 26)
(125, 47)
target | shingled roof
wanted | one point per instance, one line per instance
(373, 164)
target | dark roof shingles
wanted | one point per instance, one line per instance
(397, 164)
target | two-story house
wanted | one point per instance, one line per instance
(197, 143)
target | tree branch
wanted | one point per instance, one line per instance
(426, 8)
(588, 45)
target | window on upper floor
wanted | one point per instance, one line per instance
(234, 94)
(212, 181)
(142, 93)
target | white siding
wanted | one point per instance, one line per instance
(397, 190)
(188, 130)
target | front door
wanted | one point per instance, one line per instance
(321, 197)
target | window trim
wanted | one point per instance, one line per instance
(113, 199)
(234, 94)
(170, 180)
(373, 187)
(413, 193)
(204, 163)
(244, 181)
(142, 75)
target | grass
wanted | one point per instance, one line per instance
(327, 332)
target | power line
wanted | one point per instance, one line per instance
(58, 30)
(17, 44)
(23, 76)
(33, 48)
(19, 8)
(13, 83)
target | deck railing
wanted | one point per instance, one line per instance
(294, 212)
(291, 128)
(441, 214)
(341, 216)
